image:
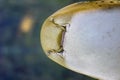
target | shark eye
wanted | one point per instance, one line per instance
(84, 37)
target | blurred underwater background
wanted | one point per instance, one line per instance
(21, 55)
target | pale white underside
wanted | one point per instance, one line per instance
(92, 44)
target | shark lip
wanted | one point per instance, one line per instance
(63, 28)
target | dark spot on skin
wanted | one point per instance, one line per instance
(111, 1)
(102, 1)
(96, 3)
(100, 5)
